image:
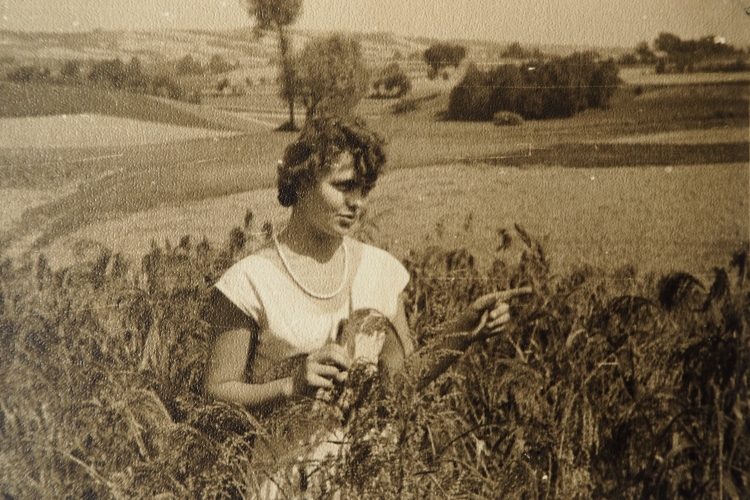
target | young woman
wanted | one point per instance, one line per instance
(279, 309)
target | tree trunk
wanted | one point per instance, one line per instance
(287, 78)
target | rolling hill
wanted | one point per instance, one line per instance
(44, 100)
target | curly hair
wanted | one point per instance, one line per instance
(320, 142)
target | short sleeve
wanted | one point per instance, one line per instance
(379, 282)
(397, 279)
(237, 285)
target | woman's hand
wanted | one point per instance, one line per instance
(320, 369)
(488, 314)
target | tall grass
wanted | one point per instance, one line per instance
(604, 386)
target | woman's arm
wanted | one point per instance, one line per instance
(484, 318)
(226, 373)
(225, 378)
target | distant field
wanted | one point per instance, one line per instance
(92, 130)
(69, 190)
(647, 76)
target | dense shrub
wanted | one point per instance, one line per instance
(111, 71)
(603, 386)
(28, 74)
(442, 55)
(559, 88)
(705, 54)
(218, 65)
(516, 51)
(392, 82)
(189, 66)
(166, 86)
(506, 118)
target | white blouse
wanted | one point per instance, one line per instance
(290, 321)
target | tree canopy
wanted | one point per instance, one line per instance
(392, 82)
(557, 88)
(277, 15)
(331, 74)
(273, 14)
(703, 46)
(443, 55)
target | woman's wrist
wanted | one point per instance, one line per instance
(287, 388)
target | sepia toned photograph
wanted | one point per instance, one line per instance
(350, 249)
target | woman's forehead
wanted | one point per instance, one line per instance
(342, 166)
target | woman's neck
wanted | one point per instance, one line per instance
(303, 239)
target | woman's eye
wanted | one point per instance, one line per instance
(345, 186)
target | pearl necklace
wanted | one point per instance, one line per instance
(299, 283)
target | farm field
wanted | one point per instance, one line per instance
(662, 218)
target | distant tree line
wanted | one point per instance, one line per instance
(516, 51)
(560, 87)
(112, 73)
(191, 66)
(671, 54)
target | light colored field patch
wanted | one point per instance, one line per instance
(647, 76)
(91, 130)
(709, 136)
(17, 201)
(675, 218)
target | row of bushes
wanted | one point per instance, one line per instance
(557, 88)
(604, 386)
(112, 72)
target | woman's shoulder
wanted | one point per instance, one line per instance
(254, 268)
(372, 254)
(260, 257)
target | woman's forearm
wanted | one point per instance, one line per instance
(252, 395)
(435, 358)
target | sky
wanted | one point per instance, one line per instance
(580, 22)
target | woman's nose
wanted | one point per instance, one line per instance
(355, 198)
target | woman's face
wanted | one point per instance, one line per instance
(333, 205)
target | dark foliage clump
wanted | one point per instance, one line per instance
(558, 88)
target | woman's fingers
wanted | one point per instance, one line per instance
(494, 309)
(500, 309)
(316, 380)
(498, 322)
(497, 300)
(328, 372)
(314, 375)
(333, 354)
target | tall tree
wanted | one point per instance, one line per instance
(276, 16)
(332, 76)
